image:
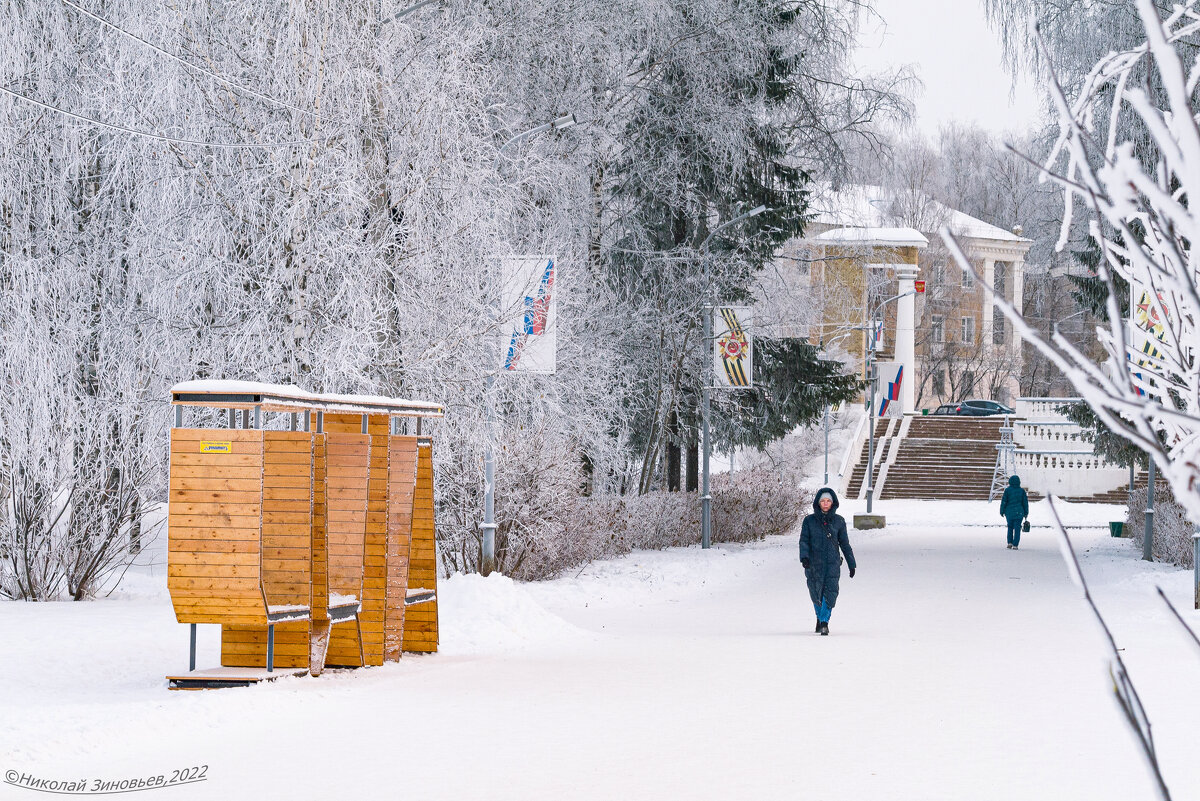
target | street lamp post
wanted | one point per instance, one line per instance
(488, 561)
(872, 380)
(706, 390)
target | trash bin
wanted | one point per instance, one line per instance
(1115, 528)
(924, 411)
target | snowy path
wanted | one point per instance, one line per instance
(955, 669)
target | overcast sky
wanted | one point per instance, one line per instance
(958, 58)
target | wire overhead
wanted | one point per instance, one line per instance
(148, 134)
(190, 65)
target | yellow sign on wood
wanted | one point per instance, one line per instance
(216, 447)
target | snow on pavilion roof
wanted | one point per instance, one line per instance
(885, 237)
(289, 397)
(868, 206)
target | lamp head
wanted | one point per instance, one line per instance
(564, 122)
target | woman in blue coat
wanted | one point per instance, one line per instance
(1014, 508)
(822, 536)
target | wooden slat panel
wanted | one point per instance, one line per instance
(212, 558)
(212, 533)
(232, 509)
(216, 434)
(213, 484)
(230, 461)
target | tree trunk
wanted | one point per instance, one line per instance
(673, 452)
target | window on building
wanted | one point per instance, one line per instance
(968, 331)
(999, 334)
(937, 328)
(1000, 278)
(968, 384)
(968, 279)
(939, 383)
(937, 274)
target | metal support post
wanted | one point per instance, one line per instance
(192, 652)
(827, 445)
(270, 647)
(320, 422)
(233, 418)
(418, 427)
(1148, 539)
(364, 424)
(292, 421)
(488, 560)
(706, 396)
(869, 478)
(258, 417)
(179, 417)
(1196, 564)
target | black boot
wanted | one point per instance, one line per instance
(818, 628)
(824, 629)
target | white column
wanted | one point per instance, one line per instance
(905, 336)
(989, 277)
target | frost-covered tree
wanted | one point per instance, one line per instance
(1138, 201)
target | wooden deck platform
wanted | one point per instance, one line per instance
(214, 678)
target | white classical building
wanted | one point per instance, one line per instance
(961, 345)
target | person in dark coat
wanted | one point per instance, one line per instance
(1014, 507)
(822, 535)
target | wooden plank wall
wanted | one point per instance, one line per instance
(402, 479)
(371, 618)
(320, 558)
(287, 517)
(214, 515)
(421, 621)
(246, 646)
(347, 465)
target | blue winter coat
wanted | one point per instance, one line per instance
(1014, 503)
(822, 536)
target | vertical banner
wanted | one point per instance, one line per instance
(1146, 339)
(891, 378)
(529, 312)
(876, 334)
(733, 351)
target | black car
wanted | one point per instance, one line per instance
(946, 408)
(982, 408)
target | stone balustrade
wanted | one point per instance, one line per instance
(1042, 408)
(1065, 472)
(1048, 435)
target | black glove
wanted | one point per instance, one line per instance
(804, 561)
(851, 572)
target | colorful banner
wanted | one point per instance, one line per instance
(1147, 340)
(876, 333)
(733, 350)
(529, 313)
(891, 378)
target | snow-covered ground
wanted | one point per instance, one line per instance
(955, 669)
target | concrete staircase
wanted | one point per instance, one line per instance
(885, 429)
(944, 457)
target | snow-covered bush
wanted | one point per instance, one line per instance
(746, 506)
(1172, 528)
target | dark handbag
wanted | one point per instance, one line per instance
(1025, 526)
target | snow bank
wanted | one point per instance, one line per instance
(494, 613)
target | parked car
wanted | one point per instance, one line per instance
(946, 408)
(983, 408)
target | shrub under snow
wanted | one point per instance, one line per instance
(1172, 529)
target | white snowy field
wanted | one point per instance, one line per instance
(955, 669)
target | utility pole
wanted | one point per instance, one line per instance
(1148, 539)
(487, 562)
(706, 390)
